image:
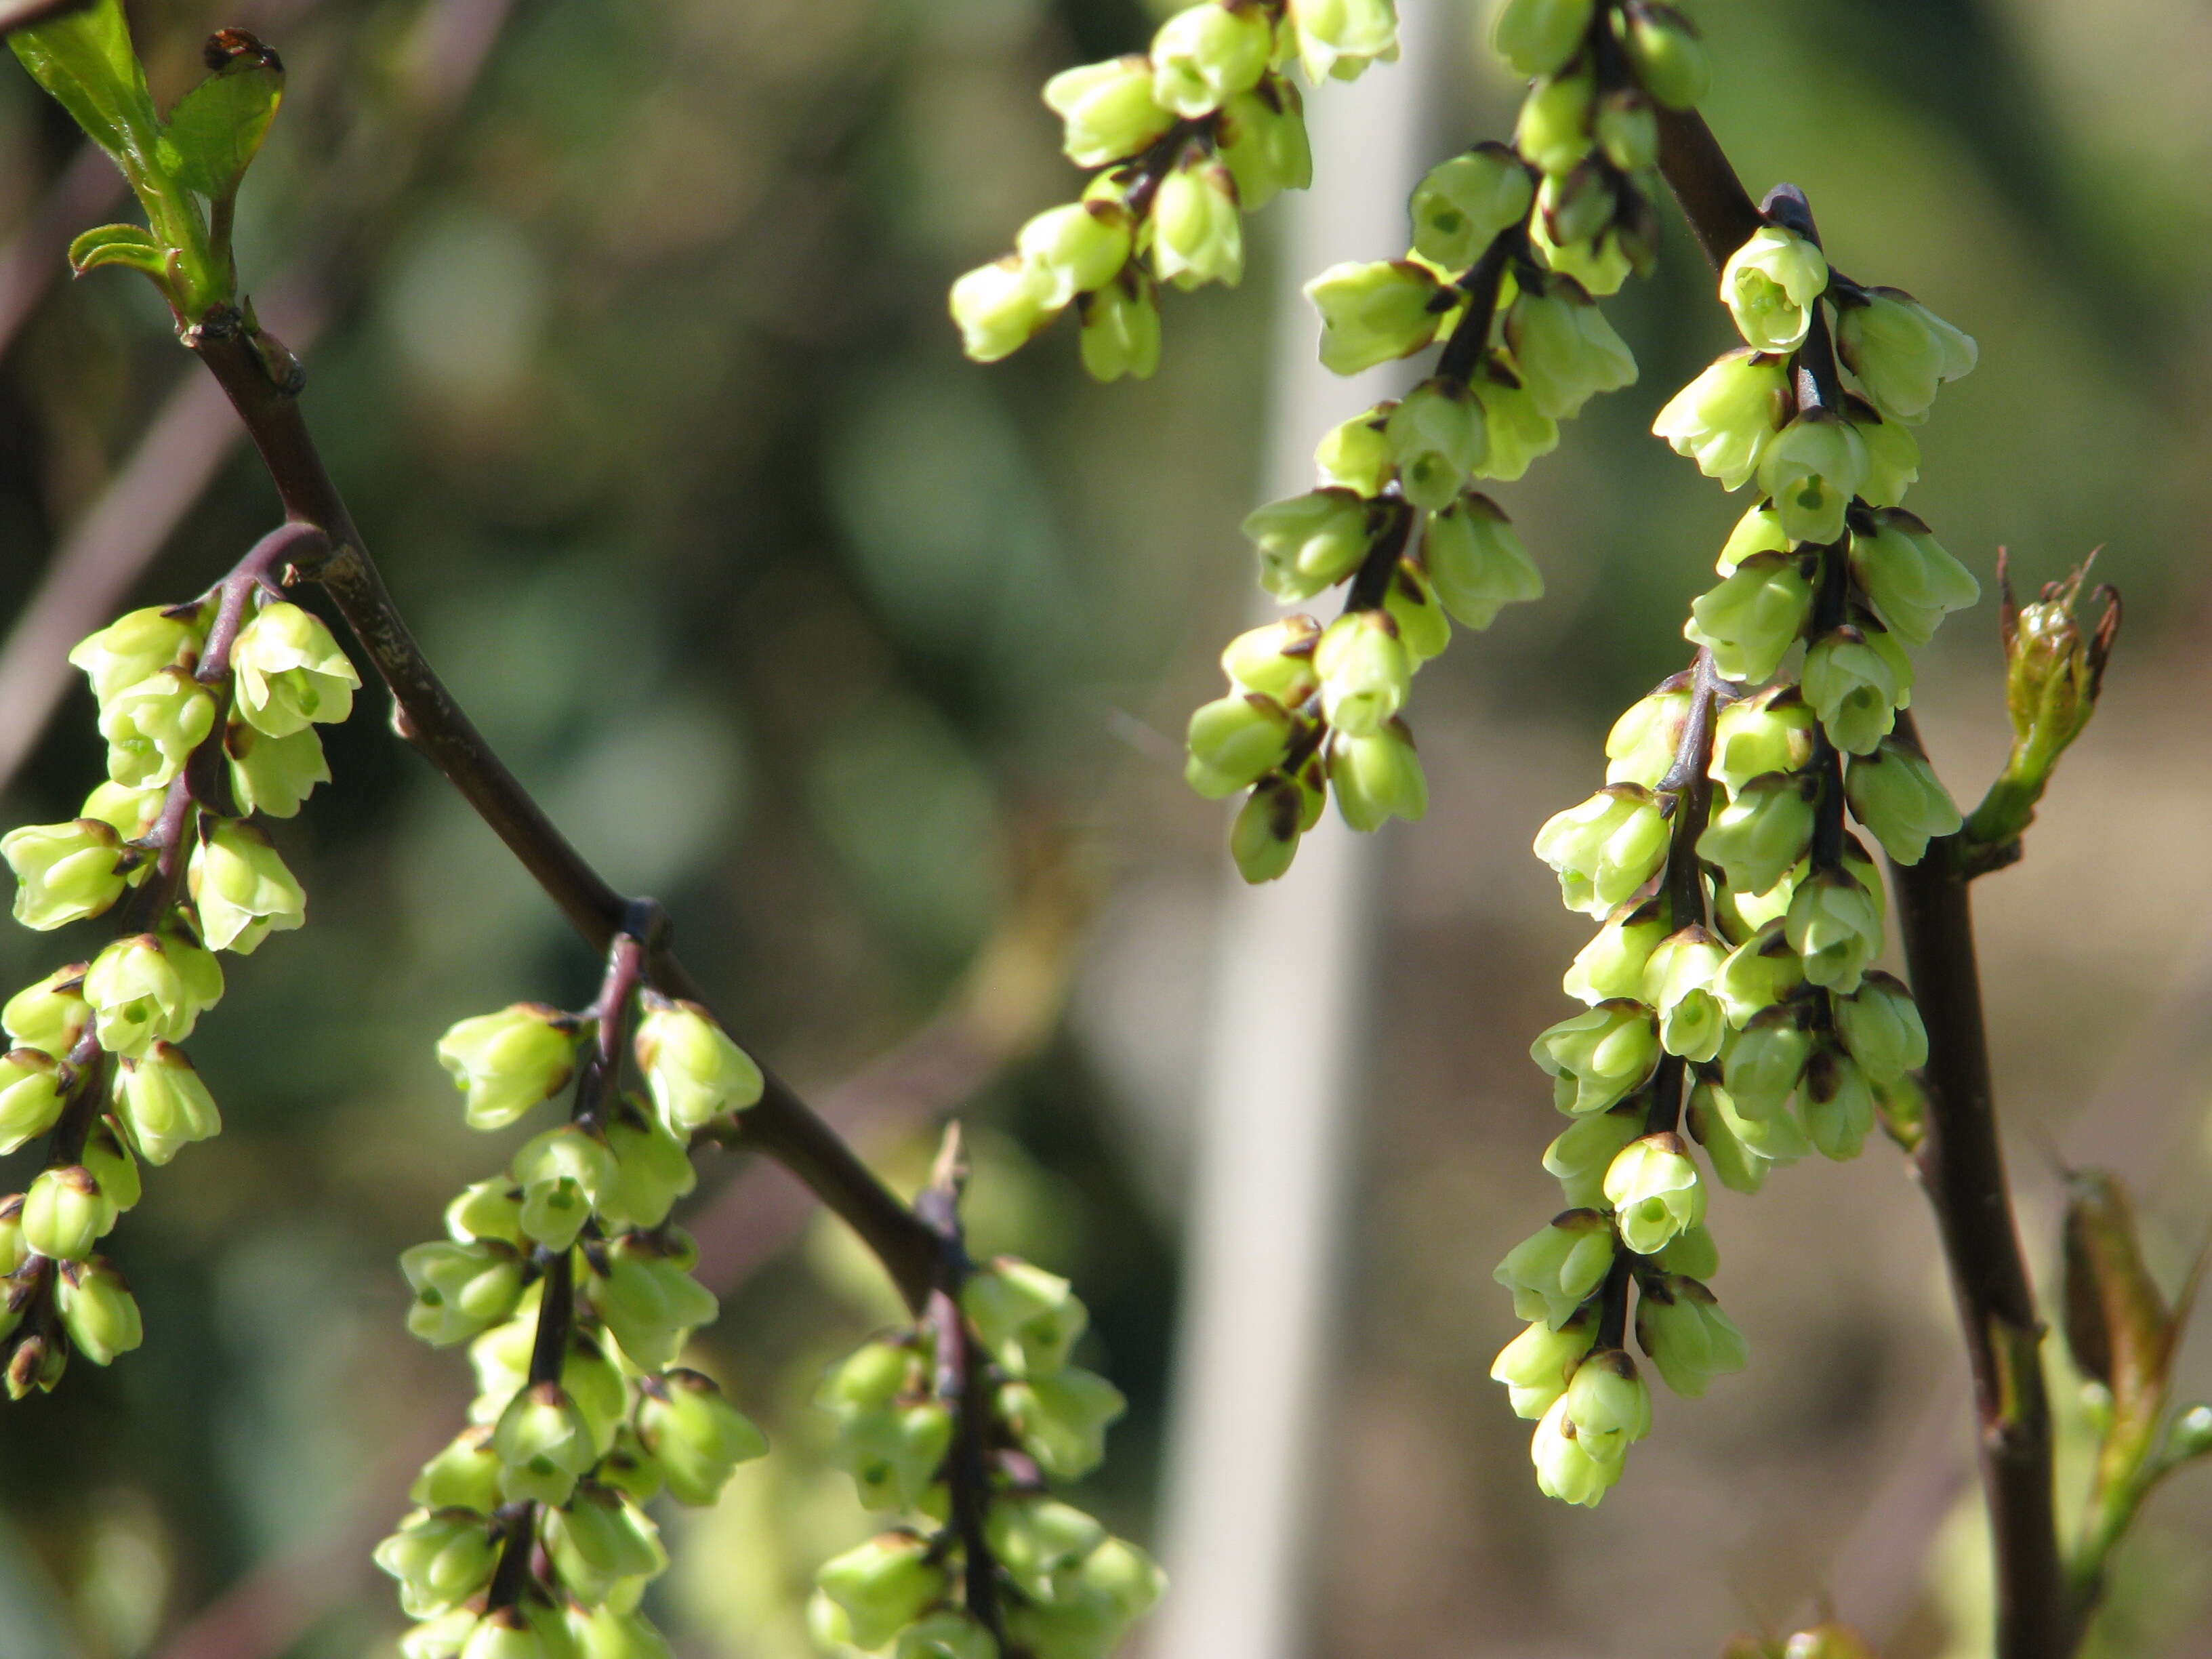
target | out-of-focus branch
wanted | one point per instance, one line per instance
(87, 191)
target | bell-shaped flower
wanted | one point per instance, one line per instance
(561, 1173)
(1565, 350)
(1060, 1419)
(1607, 1405)
(137, 646)
(1516, 432)
(441, 1559)
(544, 1443)
(653, 1169)
(1535, 1365)
(64, 872)
(1835, 925)
(1653, 1185)
(240, 887)
(1892, 455)
(1198, 232)
(1366, 673)
(1261, 136)
(1553, 131)
(1664, 54)
(274, 776)
(1612, 964)
(1564, 1470)
(1375, 313)
(461, 1290)
(1341, 38)
(1540, 37)
(1203, 54)
(1726, 419)
(1811, 470)
(1757, 974)
(149, 988)
(1599, 1057)
(1760, 531)
(1641, 745)
(1235, 740)
(1895, 793)
(648, 1301)
(1761, 1063)
(1411, 603)
(1310, 542)
(1437, 440)
(1377, 777)
(1079, 246)
(884, 1585)
(1856, 678)
(1580, 1155)
(160, 1100)
(1554, 1270)
(1355, 454)
(1758, 838)
(1913, 580)
(1879, 1026)
(153, 725)
(1678, 986)
(1001, 307)
(1264, 836)
(97, 1310)
(65, 1212)
(1680, 1327)
(1475, 562)
(1121, 329)
(1837, 1105)
(51, 1014)
(1901, 351)
(289, 671)
(1770, 731)
(1770, 285)
(1752, 619)
(506, 1062)
(692, 1069)
(1605, 848)
(1109, 108)
(31, 1100)
(696, 1435)
(1462, 205)
(1742, 1150)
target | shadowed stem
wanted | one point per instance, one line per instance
(1960, 1164)
(781, 1124)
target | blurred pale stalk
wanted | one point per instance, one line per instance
(1247, 1454)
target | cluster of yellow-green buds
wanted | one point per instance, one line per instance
(983, 1551)
(1186, 140)
(573, 1291)
(1510, 245)
(209, 712)
(1731, 992)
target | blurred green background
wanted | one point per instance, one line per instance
(873, 664)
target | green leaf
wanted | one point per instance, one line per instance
(83, 57)
(120, 244)
(216, 129)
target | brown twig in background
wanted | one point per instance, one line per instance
(1960, 1164)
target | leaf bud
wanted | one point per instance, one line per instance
(1837, 1104)
(1041, 1544)
(1261, 137)
(97, 1310)
(1678, 986)
(1760, 1064)
(1475, 562)
(137, 646)
(1605, 849)
(1758, 838)
(1109, 108)
(1770, 731)
(695, 1073)
(1060, 1419)
(1121, 329)
(1462, 203)
(440, 1557)
(1027, 1319)
(1612, 964)
(1654, 1186)
(1581, 1153)
(544, 1443)
(1205, 53)
(1770, 285)
(1913, 580)
(31, 1096)
(506, 1062)
(1198, 232)
(64, 872)
(51, 1015)
(1374, 312)
(464, 1475)
(1554, 131)
(274, 776)
(289, 671)
(159, 1099)
(1565, 349)
(1664, 52)
(1354, 455)
(1437, 440)
(1377, 778)
(1309, 542)
(1900, 350)
(1750, 621)
(242, 887)
(884, 1585)
(152, 726)
(1726, 419)
(1554, 1270)
(65, 1213)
